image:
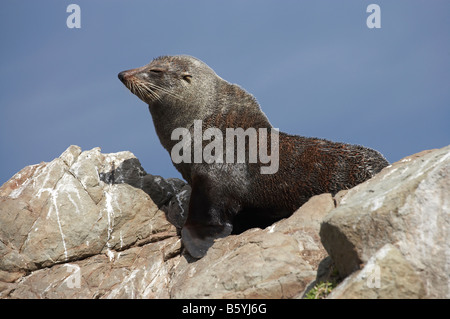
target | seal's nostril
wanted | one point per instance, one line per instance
(121, 76)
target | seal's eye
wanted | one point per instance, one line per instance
(187, 78)
(155, 71)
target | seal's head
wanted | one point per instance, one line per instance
(168, 79)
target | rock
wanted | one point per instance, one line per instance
(93, 225)
(276, 262)
(138, 272)
(406, 206)
(64, 210)
(386, 275)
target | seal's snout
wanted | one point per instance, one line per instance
(131, 75)
(121, 76)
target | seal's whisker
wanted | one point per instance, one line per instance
(168, 92)
(140, 89)
(149, 90)
(133, 87)
(150, 93)
(152, 86)
(153, 93)
(164, 90)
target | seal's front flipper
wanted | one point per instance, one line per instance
(198, 239)
(206, 220)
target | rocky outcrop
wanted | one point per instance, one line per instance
(397, 227)
(80, 205)
(93, 225)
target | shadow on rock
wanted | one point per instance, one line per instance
(170, 195)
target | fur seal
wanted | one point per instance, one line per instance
(232, 197)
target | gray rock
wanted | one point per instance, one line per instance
(386, 275)
(138, 272)
(64, 210)
(93, 225)
(405, 205)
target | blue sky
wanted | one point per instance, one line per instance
(314, 66)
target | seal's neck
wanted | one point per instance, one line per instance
(180, 115)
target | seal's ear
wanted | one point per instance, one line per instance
(187, 77)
